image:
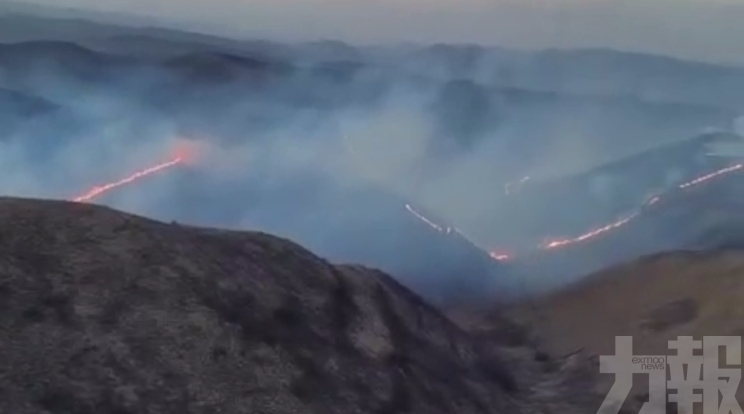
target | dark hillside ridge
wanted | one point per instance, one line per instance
(105, 312)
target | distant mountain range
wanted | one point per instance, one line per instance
(589, 126)
(529, 122)
(583, 71)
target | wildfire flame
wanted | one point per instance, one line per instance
(714, 174)
(180, 157)
(562, 242)
(552, 244)
(449, 230)
(184, 152)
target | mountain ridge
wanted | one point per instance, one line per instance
(106, 312)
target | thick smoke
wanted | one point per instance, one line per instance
(739, 126)
(326, 157)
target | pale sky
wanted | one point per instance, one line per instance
(699, 29)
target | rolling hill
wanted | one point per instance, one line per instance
(705, 217)
(602, 194)
(107, 312)
(654, 299)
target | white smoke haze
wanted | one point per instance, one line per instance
(332, 175)
(388, 146)
(739, 126)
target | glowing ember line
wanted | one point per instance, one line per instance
(424, 219)
(494, 254)
(449, 230)
(711, 175)
(99, 190)
(557, 243)
(563, 242)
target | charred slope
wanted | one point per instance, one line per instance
(17, 109)
(444, 267)
(583, 201)
(365, 224)
(705, 217)
(104, 312)
(15, 104)
(655, 169)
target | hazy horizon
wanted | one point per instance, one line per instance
(331, 161)
(689, 29)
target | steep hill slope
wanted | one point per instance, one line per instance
(104, 312)
(699, 217)
(600, 195)
(654, 299)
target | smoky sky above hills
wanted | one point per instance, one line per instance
(697, 29)
(325, 143)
